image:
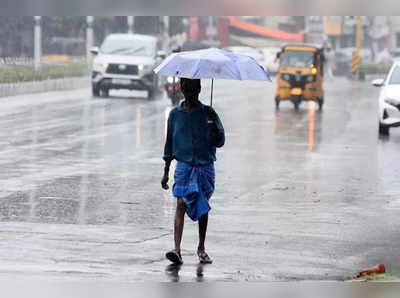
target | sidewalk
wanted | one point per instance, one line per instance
(43, 86)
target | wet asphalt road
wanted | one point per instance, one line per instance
(302, 195)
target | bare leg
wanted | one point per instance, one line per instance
(203, 222)
(179, 222)
(201, 251)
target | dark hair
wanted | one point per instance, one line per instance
(190, 85)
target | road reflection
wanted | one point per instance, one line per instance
(311, 125)
(300, 126)
(138, 126)
(287, 120)
(84, 188)
(309, 183)
(34, 139)
(200, 272)
(172, 271)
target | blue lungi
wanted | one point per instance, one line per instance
(195, 185)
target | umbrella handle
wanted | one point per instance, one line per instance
(212, 87)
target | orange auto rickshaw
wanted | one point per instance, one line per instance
(300, 74)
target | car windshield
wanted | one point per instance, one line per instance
(395, 77)
(298, 58)
(128, 47)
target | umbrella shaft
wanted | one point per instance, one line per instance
(212, 87)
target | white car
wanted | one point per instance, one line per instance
(126, 61)
(389, 99)
(270, 59)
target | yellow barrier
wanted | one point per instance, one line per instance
(55, 59)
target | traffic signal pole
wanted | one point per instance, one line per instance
(358, 34)
(131, 23)
(89, 38)
(37, 42)
(355, 61)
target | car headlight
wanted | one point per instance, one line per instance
(144, 68)
(101, 67)
(285, 77)
(310, 78)
(173, 80)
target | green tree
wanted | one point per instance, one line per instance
(16, 36)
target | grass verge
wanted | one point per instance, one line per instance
(28, 74)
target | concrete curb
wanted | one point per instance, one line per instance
(373, 281)
(43, 86)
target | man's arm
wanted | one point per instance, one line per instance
(165, 178)
(217, 129)
(167, 154)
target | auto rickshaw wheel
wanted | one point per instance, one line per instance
(296, 102)
(277, 101)
(320, 103)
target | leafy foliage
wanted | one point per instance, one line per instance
(66, 35)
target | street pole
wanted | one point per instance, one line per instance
(166, 32)
(210, 30)
(131, 22)
(358, 35)
(355, 61)
(89, 38)
(37, 42)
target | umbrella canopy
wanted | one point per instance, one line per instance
(212, 63)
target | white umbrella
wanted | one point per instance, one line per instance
(212, 64)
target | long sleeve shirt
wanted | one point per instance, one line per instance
(189, 138)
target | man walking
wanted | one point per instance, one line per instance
(194, 132)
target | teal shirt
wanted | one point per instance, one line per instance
(188, 137)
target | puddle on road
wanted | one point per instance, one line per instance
(311, 125)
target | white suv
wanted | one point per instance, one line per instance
(389, 99)
(126, 61)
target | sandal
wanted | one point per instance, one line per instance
(204, 257)
(175, 257)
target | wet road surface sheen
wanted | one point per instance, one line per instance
(299, 195)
